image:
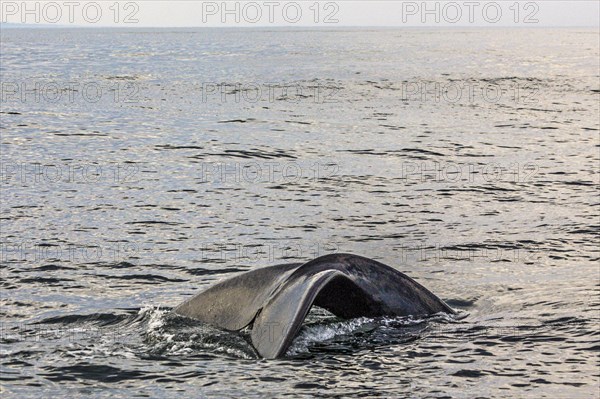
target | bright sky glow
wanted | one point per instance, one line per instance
(191, 13)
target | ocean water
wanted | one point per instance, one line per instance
(141, 166)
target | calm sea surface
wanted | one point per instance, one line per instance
(141, 166)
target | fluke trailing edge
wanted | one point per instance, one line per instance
(276, 299)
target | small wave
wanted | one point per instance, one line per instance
(381, 330)
(319, 333)
(169, 334)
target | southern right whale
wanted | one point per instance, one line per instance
(275, 300)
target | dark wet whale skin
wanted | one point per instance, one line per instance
(276, 299)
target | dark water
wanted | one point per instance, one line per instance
(141, 166)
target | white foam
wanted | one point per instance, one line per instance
(165, 338)
(323, 332)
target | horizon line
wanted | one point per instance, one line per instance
(12, 25)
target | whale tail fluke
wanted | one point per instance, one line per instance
(276, 300)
